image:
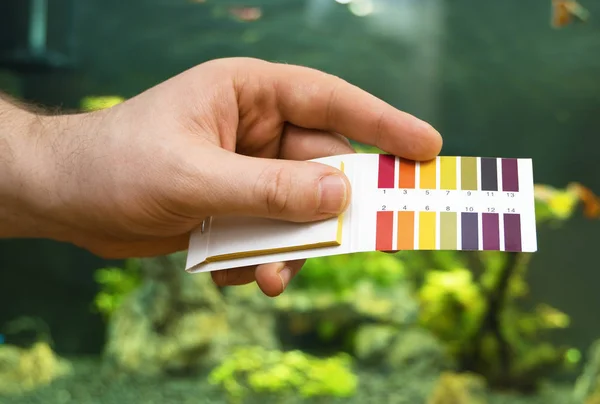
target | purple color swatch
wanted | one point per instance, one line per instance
(512, 232)
(469, 230)
(510, 175)
(491, 231)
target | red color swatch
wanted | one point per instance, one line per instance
(386, 171)
(385, 230)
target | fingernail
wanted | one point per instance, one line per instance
(332, 193)
(285, 275)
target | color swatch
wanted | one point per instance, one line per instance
(470, 231)
(407, 174)
(446, 236)
(405, 234)
(445, 172)
(468, 173)
(448, 172)
(385, 229)
(386, 171)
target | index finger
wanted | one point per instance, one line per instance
(313, 99)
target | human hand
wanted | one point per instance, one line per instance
(225, 137)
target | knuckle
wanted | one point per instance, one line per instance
(274, 187)
(336, 148)
(332, 100)
(220, 278)
(379, 125)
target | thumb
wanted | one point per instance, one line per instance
(295, 191)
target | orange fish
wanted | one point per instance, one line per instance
(246, 13)
(564, 11)
(590, 201)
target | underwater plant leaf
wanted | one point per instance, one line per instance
(257, 370)
(115, 284)
(342, 273)
(95, 103)
(451, 304)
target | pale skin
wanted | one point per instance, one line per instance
(133, 180)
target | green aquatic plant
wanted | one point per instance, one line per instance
(478, 315)
(472, 301)
(283, 374)
(451, 306)
(364, 148)
(94, 103)
(115, 285)
(342, 274)
(332, 297)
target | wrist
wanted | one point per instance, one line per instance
(27, 180)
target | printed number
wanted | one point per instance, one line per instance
(404, 192)
(384, 191)
(427, 192)
(427, 207)
(447, 208)
(510, 210)
(469, 209)
(383, 207)
(404, 207)
(491, 209)
(510, 194)
(490, 193)
(468, 193)
(447, 192)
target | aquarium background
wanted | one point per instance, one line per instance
(493, 77)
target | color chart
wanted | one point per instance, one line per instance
(448, 203)
(455, 203)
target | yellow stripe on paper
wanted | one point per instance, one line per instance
(447, 172)
(427, 230)
(427, 174)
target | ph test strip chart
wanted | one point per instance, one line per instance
(455, 203)
(448, 203)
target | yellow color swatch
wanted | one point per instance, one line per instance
(448, 172)
(427, 174)
(426, 230)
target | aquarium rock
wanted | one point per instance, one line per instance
(24, 369)
(251, 318)
(399, 348)
(174, 323)
(453, 388)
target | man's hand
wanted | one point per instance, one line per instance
(225, 137)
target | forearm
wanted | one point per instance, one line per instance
(22, 173)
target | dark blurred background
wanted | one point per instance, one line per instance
(494, 77)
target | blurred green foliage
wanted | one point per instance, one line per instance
(277, 373)
(341, 274)
(451, 304)
(474, 307)
(94, 103)
(115, 285)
